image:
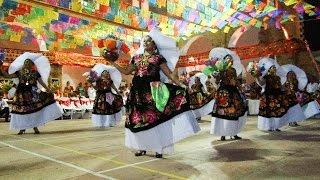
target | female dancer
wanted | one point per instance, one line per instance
(274, 104)
(296, 83)
(30, 107)
(201, 101)
(158, 114)
(107, 105)
(229, 111)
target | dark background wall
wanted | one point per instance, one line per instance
(312, 28)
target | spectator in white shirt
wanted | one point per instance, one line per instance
(312, 86)
(91, 92)
(4, 108)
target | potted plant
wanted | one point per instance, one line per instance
(5, 86)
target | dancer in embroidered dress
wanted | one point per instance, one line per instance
(31, 107)
(211, 88)
(296, 83)
(200, 101)
(158, 113)
(230, 110)
(274, 105)
(107, 105)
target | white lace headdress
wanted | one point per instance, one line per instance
(166, 47)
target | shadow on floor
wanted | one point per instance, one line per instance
(306, 128)
(291, 136)
(240, 150)
(66, 131)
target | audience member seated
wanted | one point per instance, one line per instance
(4, 108)
(68, 90)
(86, 87)
(80, 90)
(91, 93)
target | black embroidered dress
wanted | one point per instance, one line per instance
(107, 107)
(158, 112)
(32, 107)
(229, 111)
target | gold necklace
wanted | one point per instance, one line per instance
(145, 59)
(27, 75)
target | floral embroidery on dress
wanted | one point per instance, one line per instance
(27, 98)
(274, 102)
(106, 102)
(141, 107)
(294, 95)
(147, 65)
(198, 98)
(229, 104)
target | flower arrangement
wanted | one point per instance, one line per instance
(6, 85)
(301, 97)
(255, 69)
(216, 64)
(92, 76)
(113, 47)
(54, 87)
(2, 54)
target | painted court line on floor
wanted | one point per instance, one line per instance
(58, 137)
(124, 165)
(182, 153)
(58, 161)
(173, 176)
(66, 137)
(143, 162)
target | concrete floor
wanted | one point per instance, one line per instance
(72, 149)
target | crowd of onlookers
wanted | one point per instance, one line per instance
(85, 90)
(81, 90)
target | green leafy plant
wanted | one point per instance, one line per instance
(54, 87)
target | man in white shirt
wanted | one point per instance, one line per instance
(91, 92)
(4, 108)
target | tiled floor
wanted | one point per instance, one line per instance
(72, 149)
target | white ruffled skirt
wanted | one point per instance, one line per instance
(35, 119)
(311, 109)
(161, 138)
(225, 127)
(106, 120)
(204, 110)
(295, 114)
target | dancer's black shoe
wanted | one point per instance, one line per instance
(140, 153)
(237, 137)
(21, 132)
(158, 155)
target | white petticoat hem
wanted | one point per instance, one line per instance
(161, 138)
(272, 123)
(36, 119)
(225, 127)
(295, 114)
(311, 109)
(106, 120)
(204, 110)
